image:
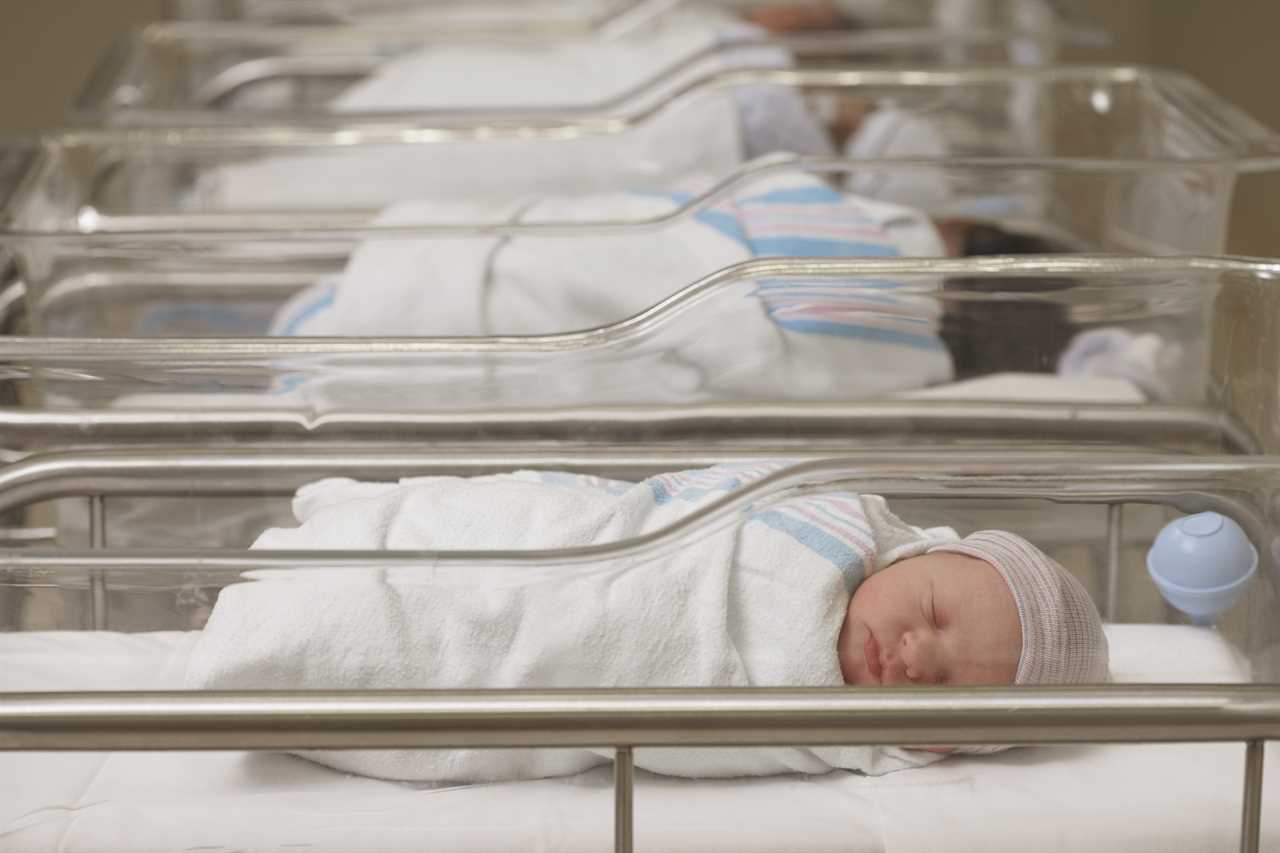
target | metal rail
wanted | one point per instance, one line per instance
(627, 719)
(1239, 487)
(99, 606)
(713, 429)
(1177, 481)
(1115, 542)
(260, 720)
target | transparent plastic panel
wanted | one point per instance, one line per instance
(777, 359)
(240, 221)
(409, 273)
(1096, 515)
(162, 619)
(907, 131)
(1144, 352)
(612, 18)
(781, 331)
(546, 17)
(188, 73)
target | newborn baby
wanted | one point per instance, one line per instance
(711, 132)
(988, 609)
(782, 588)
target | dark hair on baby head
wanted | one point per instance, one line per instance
(990, 336)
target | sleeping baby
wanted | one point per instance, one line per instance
(784, 336)
(771, 587)
(669, 100)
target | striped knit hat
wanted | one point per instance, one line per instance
(1062, 638)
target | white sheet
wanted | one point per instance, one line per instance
(1164, 799)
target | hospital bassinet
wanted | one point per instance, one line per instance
(1179, 791)
(1193, 374)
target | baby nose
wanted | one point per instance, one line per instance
(919, 654)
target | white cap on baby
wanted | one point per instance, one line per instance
(1062, 637)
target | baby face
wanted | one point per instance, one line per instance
(934, 619)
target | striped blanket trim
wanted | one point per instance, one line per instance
(817, 221)
(830, 525)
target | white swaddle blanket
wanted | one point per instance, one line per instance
(759, 601)
(482, 285)
(787, 338)
(711, 138)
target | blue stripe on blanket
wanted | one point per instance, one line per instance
(819, 541)
(229, 320)
(848, 309)
(323, 302)
(805, 296)
(663, 494)
(718, 220)
(858, 285)
(726, 223)
(732, 227)
(867, 333)
(285, 384)
(564, 479)
(695, 485)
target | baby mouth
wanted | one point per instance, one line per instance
(871, 652)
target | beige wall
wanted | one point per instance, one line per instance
(47, 47)
(1231, 47)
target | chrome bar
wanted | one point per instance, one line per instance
(13, 304)
(97, 522)
(1191, 484)
(1115, 533)
(624, 780)
(10, 536)
(186, 720)
(1251, 819)
(98, 578)
(767, 424)
(97, 287)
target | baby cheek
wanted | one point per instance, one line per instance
(869, 595)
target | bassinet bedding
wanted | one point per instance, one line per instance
(1172, 798)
